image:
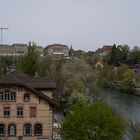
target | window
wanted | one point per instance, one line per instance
(32, 112)
(27, 129)
(19, 112)
(13, 96)
(6, 112)
(6, 95)
(1, 96)
(38, 129)
(26, 97)
(2, 127)
(11, 130)
(57, 50)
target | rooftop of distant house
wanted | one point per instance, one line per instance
(104, 48)
(56, 45)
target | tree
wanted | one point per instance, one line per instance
(106, 75)
(29, 63)
(76, 97)
(116, 55)
(135, 54)
(125, 51)
(74, 84)
(95, 121)
(119, 72)
(128, 84)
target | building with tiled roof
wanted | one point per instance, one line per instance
(104, 50)
(26, 107)
(56, 51)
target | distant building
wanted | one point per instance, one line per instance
(104, 50)
(71, 52)
(56, 51)
(17, 50)
(56, 131)
(74, 53)
(39, 49)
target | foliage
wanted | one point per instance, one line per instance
(48, 68)
(76, 97)
(118, 54)
(119, 72)
(52, 69)
(135, 53)
(105, 75)
(95, 121)
(29, 63)
(128, 79)
(125, 52)
(75, 83)
(128, 75)
(121, 77)
(70, 75)
(78, 75)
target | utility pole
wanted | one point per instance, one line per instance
(1, 29)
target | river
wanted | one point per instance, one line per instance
(126, 104)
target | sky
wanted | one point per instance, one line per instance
(84, 24)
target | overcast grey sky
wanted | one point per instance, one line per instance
(86, 24)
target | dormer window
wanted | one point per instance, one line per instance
(26, 97)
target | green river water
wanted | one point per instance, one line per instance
(126, 104)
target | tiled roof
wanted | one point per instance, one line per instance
(56, 45)
(17, 77)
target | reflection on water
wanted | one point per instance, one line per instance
(128, 105)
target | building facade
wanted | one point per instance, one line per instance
(26, 107)
(56, 51)
(104, 50)
(17, 50)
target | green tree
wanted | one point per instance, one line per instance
(116, 55)
(125, 51)
(76, 97)
(29, 63)
(106, 75)
(76, 70)
(128, 84)
(95, 121)
(135, 54)
(74, 84)
(119, 72)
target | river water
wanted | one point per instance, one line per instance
(126, 104)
